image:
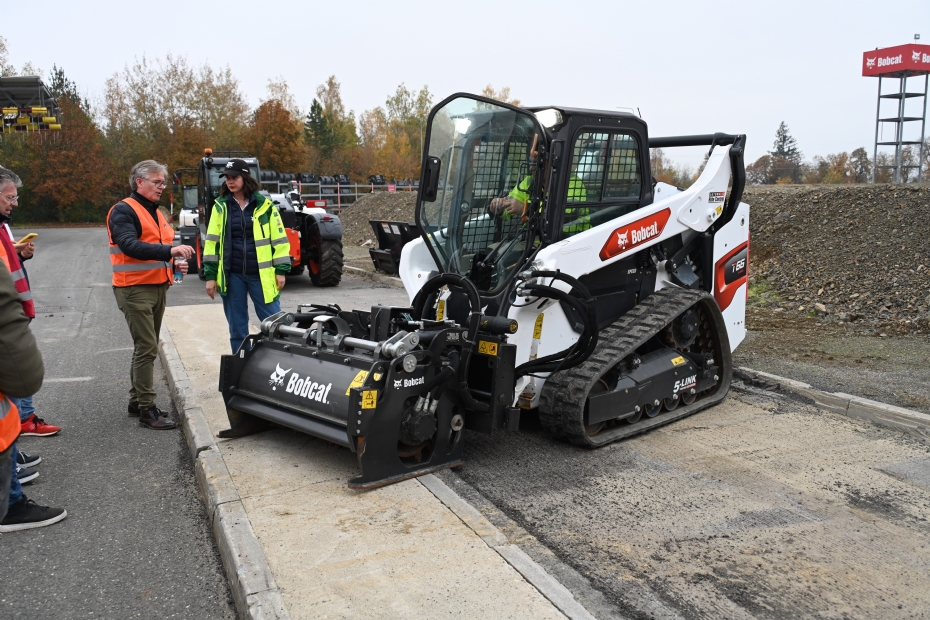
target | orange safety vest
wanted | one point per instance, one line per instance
(11, 260)
(9, 422)
(128, 271)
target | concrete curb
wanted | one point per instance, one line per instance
(253, 587)
(880, 414)
(536, 575)
(371, 275)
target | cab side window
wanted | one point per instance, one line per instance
(604, 182)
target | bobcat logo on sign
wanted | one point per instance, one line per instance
(915, 56)
(869, 62)
(636, 233)
(277, 377)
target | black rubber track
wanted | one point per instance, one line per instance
(330, 273)
(564, 395)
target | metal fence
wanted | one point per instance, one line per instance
(337, 196)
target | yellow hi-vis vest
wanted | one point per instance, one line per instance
(271, 245)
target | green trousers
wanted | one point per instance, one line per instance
(143, 306)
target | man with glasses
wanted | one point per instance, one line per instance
(141, 251)
(17, 254)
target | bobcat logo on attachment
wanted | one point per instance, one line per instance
(636, 233)
(277, 377)
(621, 240)
(398, 383)
(915, 56)
(869, 62)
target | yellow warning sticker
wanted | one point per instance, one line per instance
(369, 399)
(358, 381)
(537, 329)
(441, 310)
(719, 210)
(377, 376)
(678, 361)
(487, 348)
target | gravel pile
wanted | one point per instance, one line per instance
(396, 207)
(857, 254)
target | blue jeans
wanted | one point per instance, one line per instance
(236, 306)
(25, 407)
(16, 489)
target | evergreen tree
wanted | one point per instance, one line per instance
(60, 86)
(785, 146)
(319, 131)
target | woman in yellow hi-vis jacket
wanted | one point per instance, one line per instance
(246, 252)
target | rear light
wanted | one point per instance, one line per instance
(326, 218)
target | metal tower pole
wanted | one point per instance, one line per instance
(923, 124)
(899, 130)
(878, 110)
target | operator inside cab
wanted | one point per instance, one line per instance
(577, 218)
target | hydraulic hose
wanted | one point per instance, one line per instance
(474, 302)
(582, 349)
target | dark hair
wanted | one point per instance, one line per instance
(249, 186)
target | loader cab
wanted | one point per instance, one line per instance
(209, 180)
(600, 168)
(574, 169)
(478, 150)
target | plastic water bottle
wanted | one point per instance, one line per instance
(178, 274)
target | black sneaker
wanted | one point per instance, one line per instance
(133, 410)
(26, 515)
(25, 475)
(28, 460)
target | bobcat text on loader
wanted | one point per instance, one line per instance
(605, 303)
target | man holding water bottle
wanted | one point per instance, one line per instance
(141, 254)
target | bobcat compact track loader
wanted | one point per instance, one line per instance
(608, 304)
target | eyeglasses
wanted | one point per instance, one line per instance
(157, 183)
(10, 199)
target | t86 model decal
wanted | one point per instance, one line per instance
(639, 232)
(730, 273)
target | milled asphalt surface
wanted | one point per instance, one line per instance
(136, 542)
(762, 507)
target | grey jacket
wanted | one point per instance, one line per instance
(21, 368)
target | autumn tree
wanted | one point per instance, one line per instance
(502, 95)
(274, 136)
(71, 169)
(860, 165)
(150, 101)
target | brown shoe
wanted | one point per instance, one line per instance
(152, 417)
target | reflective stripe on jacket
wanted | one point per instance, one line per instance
(271, 246)
(128, 271)
(10, 425)
(12, 262)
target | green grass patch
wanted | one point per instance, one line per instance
(761, 293)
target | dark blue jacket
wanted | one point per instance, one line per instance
(240, 240)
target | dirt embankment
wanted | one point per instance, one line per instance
(858, 254)
(396, 207)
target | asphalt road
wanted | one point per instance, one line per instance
(137, 542)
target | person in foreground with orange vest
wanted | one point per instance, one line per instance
(21, 374)
(141, 250)
(15, 256)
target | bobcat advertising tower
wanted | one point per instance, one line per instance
(901, 62)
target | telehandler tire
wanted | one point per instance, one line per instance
(324, 261)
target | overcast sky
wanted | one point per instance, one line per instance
(689, 67)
